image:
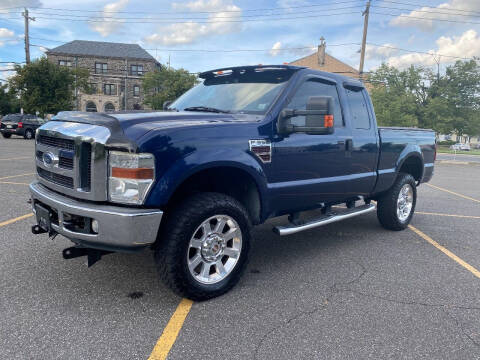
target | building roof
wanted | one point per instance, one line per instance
(102, 49)
(331, 64)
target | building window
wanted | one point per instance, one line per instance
(110, 89)
(136, 70)
(136, 90)
(67, 63)
(91, 107)
(109, 107)
(101, 68)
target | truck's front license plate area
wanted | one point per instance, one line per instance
(43, 217)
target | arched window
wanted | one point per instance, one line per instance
(137, 107)
(109, 107)
(91, 107)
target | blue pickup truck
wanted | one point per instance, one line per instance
(246, 144)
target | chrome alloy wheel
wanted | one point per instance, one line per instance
(214, 249)
(405, 202)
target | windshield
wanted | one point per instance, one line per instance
(236, 92)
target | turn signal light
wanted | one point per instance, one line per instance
(138, 173)
(328, 121)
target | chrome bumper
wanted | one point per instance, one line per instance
(120, 228)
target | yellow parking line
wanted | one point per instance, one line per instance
(14, 183)
(452, 192)
(445, 251)
(15, 220)
(17, 158)
(14, 176)
(170, 333)
(451, 215)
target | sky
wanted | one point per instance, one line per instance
(199, 35)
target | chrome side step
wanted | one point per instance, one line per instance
(324, 220)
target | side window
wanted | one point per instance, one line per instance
(358, 109)
(315, 88)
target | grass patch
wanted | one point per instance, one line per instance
(444, 149)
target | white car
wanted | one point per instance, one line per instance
(460, 146)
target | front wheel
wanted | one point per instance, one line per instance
(29, 134)
(396, 207)
(203, 246)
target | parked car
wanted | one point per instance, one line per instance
(476, 146)
(247, 144)
(460, 147)
(20, 124)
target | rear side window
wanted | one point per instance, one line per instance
(310, 88)
(12, 118)
(358, 109)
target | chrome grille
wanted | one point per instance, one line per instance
(71, 159)
(56, 142)
(55, 178)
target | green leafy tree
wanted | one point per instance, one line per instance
(166, 85)
(418, 97)
(8, 102)
(46, 87)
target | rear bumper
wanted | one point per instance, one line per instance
(12, 131)
(119, 228)
(427, 172)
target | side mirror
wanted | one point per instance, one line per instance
(166, 104)
(318, 117)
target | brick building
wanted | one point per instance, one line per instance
(116, 72)
(320, 60)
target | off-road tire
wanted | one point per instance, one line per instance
(387, 204)
(29, 134)
(180, 224)
(6, 136)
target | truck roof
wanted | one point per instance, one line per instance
(260, 68)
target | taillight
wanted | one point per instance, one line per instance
(20, 125)
(435, 155)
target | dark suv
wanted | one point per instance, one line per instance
(20, 124)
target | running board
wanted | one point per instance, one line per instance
(324, 220)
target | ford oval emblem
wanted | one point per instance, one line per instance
(48, 159)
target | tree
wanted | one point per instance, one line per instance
(46, 87)
(166, 85)
(418, 97)
(8, 102)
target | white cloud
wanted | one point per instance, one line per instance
(445, 11)
(378, 52)
(6, 35)
(276, 48)
(218, 23)
(297, 50)
(467, 45)
(107, 26)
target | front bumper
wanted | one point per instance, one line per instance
(119, 228)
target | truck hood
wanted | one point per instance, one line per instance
(126, 128)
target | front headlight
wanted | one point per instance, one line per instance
(130, 176)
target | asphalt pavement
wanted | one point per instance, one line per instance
(349, 290)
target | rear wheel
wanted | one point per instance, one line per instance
(6, 135)
(204, 246)
(396, 207)
(28, 134)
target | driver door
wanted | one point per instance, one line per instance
(311, 169)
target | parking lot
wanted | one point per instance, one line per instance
(349, 290)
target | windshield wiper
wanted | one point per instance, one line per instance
(206, 109)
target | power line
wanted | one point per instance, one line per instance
(429, 6)
(189, 12)
(199, 22)
(420, 52)
(102, 18)
(426, 11)
(427, 18)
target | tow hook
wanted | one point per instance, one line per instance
(36, 229)
(93, 255)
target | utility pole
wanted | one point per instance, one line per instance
(364, 40)
(27, 39)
